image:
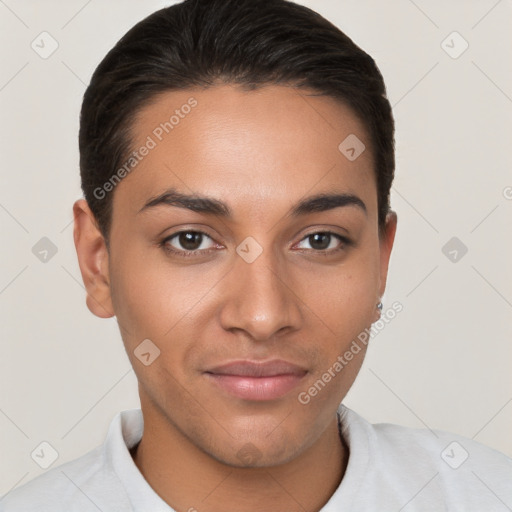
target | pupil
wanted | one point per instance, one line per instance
(320, 241)
(190, 240)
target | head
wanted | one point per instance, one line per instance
(236, 159)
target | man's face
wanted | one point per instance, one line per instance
(253, 286)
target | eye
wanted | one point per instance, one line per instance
(187, 243)
(196, 243)
(325, 241)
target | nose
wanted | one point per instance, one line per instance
(259, 299)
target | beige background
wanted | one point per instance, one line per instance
(443, 362)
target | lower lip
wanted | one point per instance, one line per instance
(257, 388)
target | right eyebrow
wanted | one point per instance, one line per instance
(196, 203)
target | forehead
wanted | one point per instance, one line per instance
(274, 144)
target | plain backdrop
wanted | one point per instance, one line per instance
(444, 362)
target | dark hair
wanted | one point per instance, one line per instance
(251, 43)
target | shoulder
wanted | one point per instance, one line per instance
(64, 488)
(436, 446)
(89, 482)
(442, 449)
(447, 466)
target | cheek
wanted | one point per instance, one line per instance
(343, 306)
(156, 300)
(344, 303)
(151, 303)
(146, 300)
(345, 298)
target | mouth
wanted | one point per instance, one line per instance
(257, 381)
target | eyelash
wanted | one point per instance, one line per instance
(345, 242)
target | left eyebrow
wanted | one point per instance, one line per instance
(324, 202)
(209, 205)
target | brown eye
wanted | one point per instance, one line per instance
(324, 241)
(320, 241)
(190, 240)
(188, 243)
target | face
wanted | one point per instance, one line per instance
(252, 288)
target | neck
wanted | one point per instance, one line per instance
(188, 479)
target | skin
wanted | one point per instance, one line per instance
(260, 152)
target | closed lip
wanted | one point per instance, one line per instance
(255, 369)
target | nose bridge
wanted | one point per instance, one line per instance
(259, 301)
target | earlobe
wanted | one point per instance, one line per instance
(93, 260)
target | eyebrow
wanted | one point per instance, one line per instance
(209, 205)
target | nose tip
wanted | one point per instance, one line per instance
(258, 301)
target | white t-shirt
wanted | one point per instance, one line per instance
(390, 468)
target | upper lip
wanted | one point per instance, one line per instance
(247, 368)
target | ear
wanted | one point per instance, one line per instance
(93, 259)
(386, 244)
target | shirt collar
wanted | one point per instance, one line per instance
(125, 432)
